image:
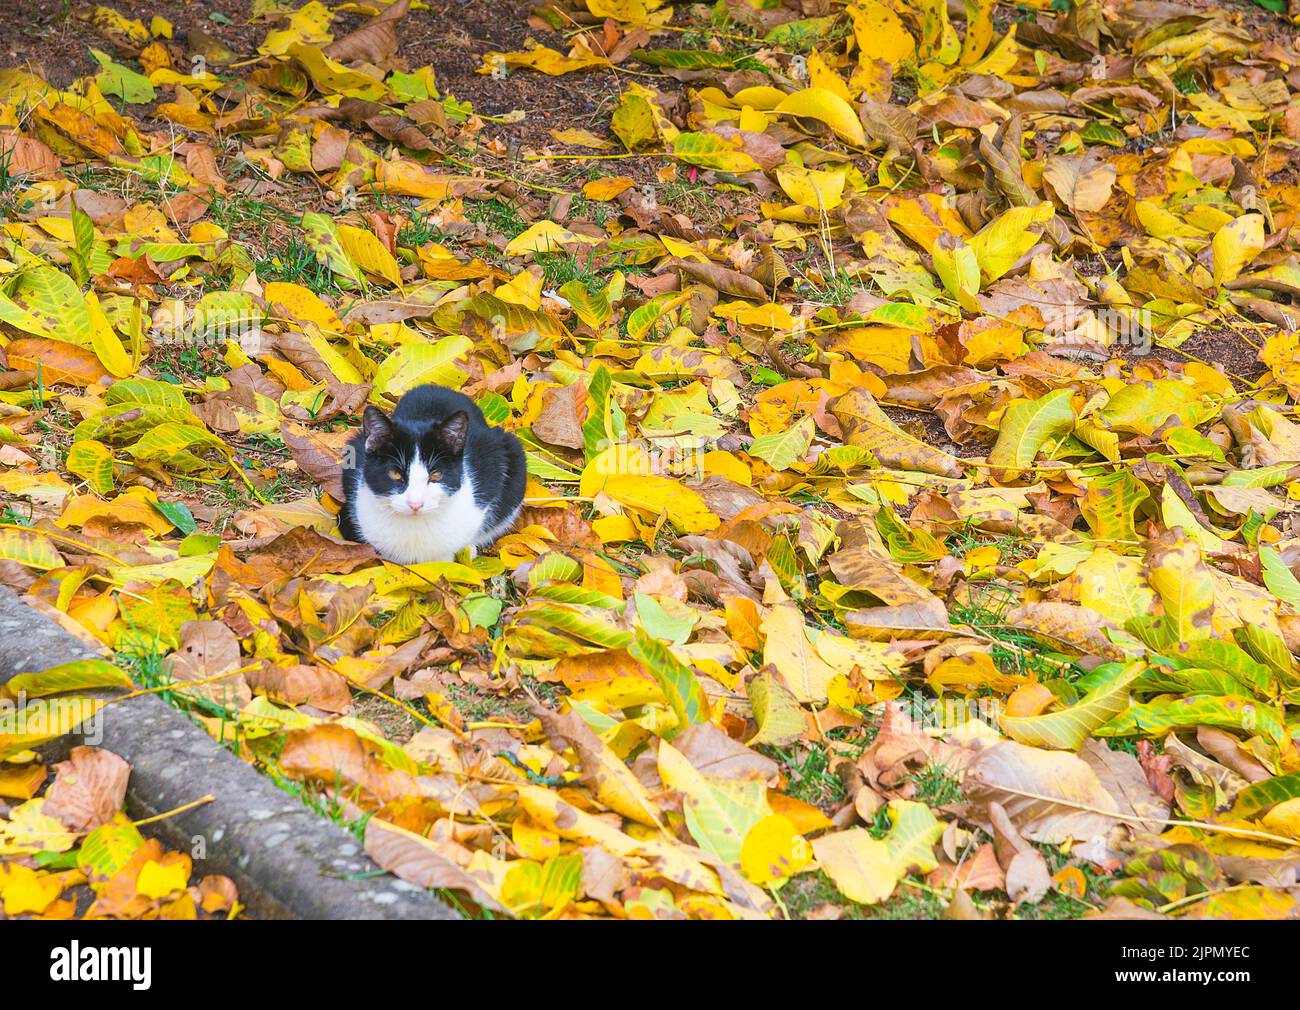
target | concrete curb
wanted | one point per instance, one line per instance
(288, 862)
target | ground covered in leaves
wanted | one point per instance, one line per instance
(909, 407)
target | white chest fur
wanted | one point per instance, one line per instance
(436, 533)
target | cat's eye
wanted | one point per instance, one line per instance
(436, 475)
(394, 474)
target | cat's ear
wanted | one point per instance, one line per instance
(453, 431)
(378, 428)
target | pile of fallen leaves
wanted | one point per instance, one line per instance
(72, 852)
(900, 527)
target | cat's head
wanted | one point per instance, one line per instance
(413, 468)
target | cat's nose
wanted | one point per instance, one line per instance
(414, 505)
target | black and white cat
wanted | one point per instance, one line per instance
(432, 479)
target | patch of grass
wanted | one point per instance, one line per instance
(809, 772)
(395, 722)
(295, 262)
(1124, 744)
(1056, 905)
(694, 199)
(13, 517)
(175, 364)
(478, 705)
(268, 441)
(595, 211)
(837, 288)
(907, 903)
(245, 217)
(499, 216)
(544, 690)
(936, 786)
(560, 268)
(1013, 651)
(1012, 547)
(419, 230)
(808, 892)
(11, 204)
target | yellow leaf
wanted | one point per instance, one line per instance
(773, 851)
(158, 880)
(867, 869)
(545, 237)
(134, 506)
(879, 32)
(823, 191)
(607, 188)
(540, 58)
(979, 30)
(27, 892)
(786, 646)
(1236, 244)
(829, 108)
(369, 253)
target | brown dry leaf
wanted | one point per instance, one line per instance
(210, 649)
(611, 781)
(1081, 182)
(560, 422)
(1122, 776)
(329, 756)
(1050, 796)
(88, 790)
(302, 684)
(418, 861)
(300, 551)
(717, 756)
(319, 455)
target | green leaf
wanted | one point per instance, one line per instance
(1109, 506)
(1160, 718)
(482, 611)
(83, 246)
(412, 365)
(594, 310)
(658, 623)
(1027, 426)
(495, 407)
(78, 675)
(596, 434)
(1070, 727)
(782, 448)
(675, 678)
(93, 461)
(178, 514)
(1260, 796)
(719, 812)
(179, 447)
(55, 304)
(685, 59)
(109, 847)
(125, 83)
(30, 549)
(323, 236)
(708, 150)
(1278, 578)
